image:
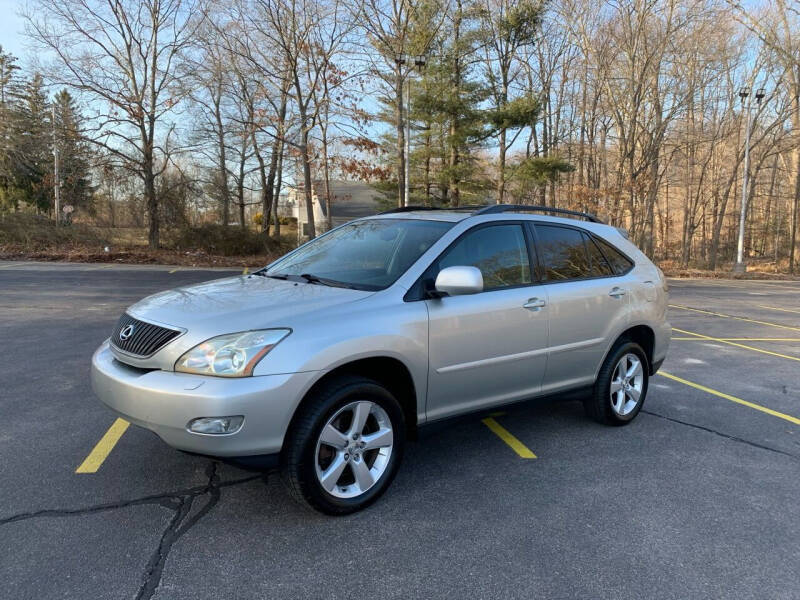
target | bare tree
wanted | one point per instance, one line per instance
(509, 26)
(293, 41)
(123, 55)
(776, 26)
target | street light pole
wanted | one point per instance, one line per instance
(419, 62)
(739, 266)
(407, 174)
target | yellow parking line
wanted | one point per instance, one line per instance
(780, 309)
(695, 339)
(722, 341)
(103, 448)
(521, 449)
(714, 392)
(246, 270)
(174, 271)
(724, 316)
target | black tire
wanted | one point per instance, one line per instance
(299, 457)
(599, 405)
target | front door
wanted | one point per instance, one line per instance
(491, 347)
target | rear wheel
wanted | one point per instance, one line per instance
(621, 385)
(345, 446)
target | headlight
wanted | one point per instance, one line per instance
(231, 355)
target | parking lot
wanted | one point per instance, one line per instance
(699, 497)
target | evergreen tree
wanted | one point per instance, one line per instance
(35, 146)
(447, 105)
(10, 97)
(73, 153)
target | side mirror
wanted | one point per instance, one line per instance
(457, 281)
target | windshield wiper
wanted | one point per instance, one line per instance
(263, 273)
(324, 281)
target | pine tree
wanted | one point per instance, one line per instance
(10, 97)
(35, 146)
(73, 153)
(447, 102)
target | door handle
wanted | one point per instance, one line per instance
(616, 292)
(534, 304)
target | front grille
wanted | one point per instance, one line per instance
(144, 340)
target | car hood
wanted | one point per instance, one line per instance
(240, 303)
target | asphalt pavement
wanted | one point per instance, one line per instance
(697, 498)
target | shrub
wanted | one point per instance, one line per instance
(36, 232)
(219, 239)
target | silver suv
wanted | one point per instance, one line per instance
(329, 359)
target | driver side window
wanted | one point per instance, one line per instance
(498, 251)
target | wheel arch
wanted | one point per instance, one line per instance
(640, 334)
(388, 371)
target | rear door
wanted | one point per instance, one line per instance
(588, 302)
(489, 347)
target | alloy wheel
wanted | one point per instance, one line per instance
(353, 449)
(626, 384)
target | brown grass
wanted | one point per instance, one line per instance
(30, 237)
(756, 269)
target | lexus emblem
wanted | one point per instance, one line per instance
(126, 332)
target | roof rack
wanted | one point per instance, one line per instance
(501, 208)
(402, 209)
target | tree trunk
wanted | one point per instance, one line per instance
(795, 201)
(275, 165)
(240, 184)
(326, 176)
(223, 163)
(455, 192)
(277, 196)
(401, 137)
(717, 233)
(151, 198)
(308, 192)
(266, 193)
(501, 167)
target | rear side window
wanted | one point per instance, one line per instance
(600, 266)
(563, 253)
(619, 262)
(499, 251)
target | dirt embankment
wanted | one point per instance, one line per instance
(28, 237)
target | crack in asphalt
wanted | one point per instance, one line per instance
(179, 501)
(169, 500)
(181, 522)
(721, 434)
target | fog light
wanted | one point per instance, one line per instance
(216, 425)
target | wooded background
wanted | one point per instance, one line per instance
(171, 113)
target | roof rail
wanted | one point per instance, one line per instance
(402, 209)
(501, 208)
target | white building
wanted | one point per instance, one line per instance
(349, 200)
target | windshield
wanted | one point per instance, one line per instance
(366, 255)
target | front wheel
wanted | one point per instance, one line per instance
(345, 446)
(621, 385)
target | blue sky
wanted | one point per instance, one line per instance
(11, 28)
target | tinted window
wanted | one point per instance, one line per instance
(563, 253)
(600, 266)
(367, 255)
(619, 262)
(499, 251)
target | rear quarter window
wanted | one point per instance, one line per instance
(618, 261)
(600, 266)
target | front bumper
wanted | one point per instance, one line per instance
(165, 402)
